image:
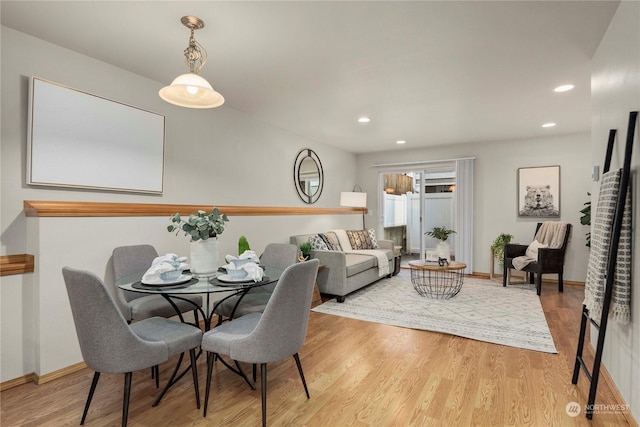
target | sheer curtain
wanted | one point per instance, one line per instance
(464, 213)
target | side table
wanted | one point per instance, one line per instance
(397, 256)
(436, 281)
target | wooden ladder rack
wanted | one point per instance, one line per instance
(594, 375)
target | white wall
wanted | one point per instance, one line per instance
(495, 181)
(218, 156)
(615, 87)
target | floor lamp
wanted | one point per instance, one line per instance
(354, 199)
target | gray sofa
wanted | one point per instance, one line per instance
(343, 272)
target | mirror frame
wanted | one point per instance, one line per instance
(304, 154)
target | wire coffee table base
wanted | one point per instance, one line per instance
(435, 281)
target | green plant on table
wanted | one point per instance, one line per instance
(199, 226)
(305, 248)
(498, 247)
(243, 245)
(440, 233)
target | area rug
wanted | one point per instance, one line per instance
(483, 310)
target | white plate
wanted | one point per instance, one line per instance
(184, 278)
(225, 278)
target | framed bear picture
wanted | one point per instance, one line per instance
(539, 192)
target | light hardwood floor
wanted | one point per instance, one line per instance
(359, 374)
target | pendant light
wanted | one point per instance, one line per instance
(191, 90)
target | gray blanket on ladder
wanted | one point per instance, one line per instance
(601, 234)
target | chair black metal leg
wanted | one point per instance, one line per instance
(94, 383)
(263, 387)
(538, 283)
(125, 399)
(155, 373)
(171, 381)
(210, 359)
(560, 284)
(304, 383)
(194, 370)
(254, 372)
(505, 271)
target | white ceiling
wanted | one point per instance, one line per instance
(428, 72)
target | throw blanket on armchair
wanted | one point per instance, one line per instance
(599, 255)
(550, 235)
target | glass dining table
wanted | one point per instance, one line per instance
(208, 285)
(192, 284)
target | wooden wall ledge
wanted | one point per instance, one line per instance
(16, 264)
(35, 208)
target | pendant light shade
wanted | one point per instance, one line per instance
(191, 90)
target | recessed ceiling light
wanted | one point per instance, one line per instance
(548, 125)
(364, 119)
(563, 88)
(401, 142)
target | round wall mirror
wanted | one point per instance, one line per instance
(308, 176)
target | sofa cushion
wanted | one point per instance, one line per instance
(357, 263)
(372, 236)
(360, 239)
(317, 244)
(331, 240)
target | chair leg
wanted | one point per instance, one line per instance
(94, 383)
(263, 387)
(538, 283)
(194, 371)
(125, 400)
(196, 319)
(304, 383)
(505, 271)
(210, 360)
(155, 373)
(254, 372)
(560, 284)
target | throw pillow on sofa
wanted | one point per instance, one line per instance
(372, 236)
(360, 239)
(331, 240)
(317, 244)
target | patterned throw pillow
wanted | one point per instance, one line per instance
(331, 240)
(359, 239)
(372, 236)
(317, 244)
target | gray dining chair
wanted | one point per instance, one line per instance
(136, 260)
(110, 345)
(278, 255)
(275, 334)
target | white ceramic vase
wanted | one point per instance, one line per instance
(444, 250)
(204, 257)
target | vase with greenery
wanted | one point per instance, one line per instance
(442, 234)
(585, 219)
(203, 228)
(305, 249)
(497, 247)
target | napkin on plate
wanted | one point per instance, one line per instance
(254, 271)
(163, 264)
(246, 256)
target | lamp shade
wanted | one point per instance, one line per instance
(353, 199)
(191, 91)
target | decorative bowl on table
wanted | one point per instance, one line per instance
(171, 275)
(237, 274)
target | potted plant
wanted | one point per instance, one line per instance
(203, 228)
(305, 249)
(442, 234)
(497, 247)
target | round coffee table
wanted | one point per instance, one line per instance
(437, 281)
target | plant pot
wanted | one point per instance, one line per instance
(444, 250)
(204, 257)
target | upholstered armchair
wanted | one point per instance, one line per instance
(545, 260)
